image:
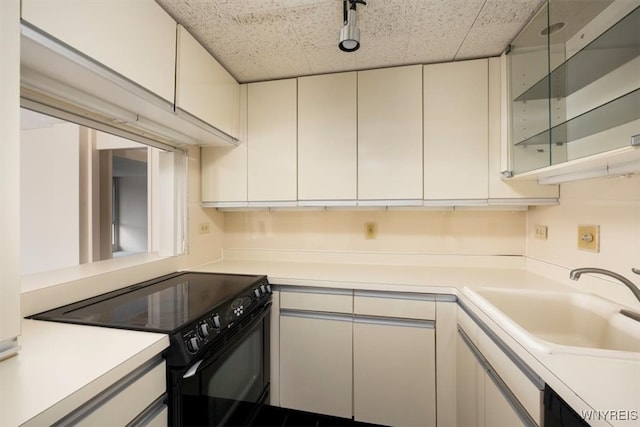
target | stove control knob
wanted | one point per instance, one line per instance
(216, 321)
(193, 344)
(269, 291)
(263, 289)
(203, 330)
(256, 292)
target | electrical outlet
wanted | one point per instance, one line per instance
(541, 232)
(589, 238)
(204, 227)
(370, 230)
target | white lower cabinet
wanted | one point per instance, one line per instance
(316, 352)
(370, 356)
(499, 410)
(376, 357)
(469, 386)
(135, 400)
(394, 371)
(315, 363)
(494, 389)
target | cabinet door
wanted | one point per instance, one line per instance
(498, 410)
(456, 121)
(134, 38)
(204, 88)
(394, 372)
(470, 377)
(316, 363)
(390, 133)
(498, 152)
(272, 140)
(224, 169)
(327, 139)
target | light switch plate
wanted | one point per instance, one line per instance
(589, 238)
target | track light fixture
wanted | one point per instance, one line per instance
(349, 33)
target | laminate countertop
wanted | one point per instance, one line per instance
(602, 385)
(62, 366)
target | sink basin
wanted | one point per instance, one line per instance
(562, 322)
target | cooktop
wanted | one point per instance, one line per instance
(163, 304)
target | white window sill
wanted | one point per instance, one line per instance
(35, 281)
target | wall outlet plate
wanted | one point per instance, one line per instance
(541, 232)
(370, 230)
(589, 238)
(204, 228)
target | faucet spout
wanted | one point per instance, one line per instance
(575, 275)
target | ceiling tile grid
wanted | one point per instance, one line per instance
(258, 40)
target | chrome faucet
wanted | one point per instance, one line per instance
(575, 275)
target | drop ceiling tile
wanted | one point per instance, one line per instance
(268, 39)
(496, 25)
(287, 65)
(331, 60)
(439, 28)
(318, 25)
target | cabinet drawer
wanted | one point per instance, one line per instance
(393, 304)
(129, 400)
(317, 299)
(527, 393)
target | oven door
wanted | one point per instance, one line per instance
(228, 386)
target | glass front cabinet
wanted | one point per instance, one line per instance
(574, 83)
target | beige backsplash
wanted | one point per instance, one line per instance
(431, 232)
(611, 203)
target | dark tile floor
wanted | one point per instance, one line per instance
(271, 416)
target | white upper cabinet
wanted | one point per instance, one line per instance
(272, 141)
(327, 137)
(456, 130)
(136, 39)
(507, 190)
(204, 88)
(390, 133)
(224, 169)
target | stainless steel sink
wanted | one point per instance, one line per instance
(562, 322)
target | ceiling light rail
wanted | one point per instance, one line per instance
(350, 33)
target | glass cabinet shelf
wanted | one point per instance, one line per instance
(614, 48)
(574, 83)
(617, 112)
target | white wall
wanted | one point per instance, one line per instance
(49, 203)
(426, 232)
(133, 214)
(93, 280)
(9, 176)
(611, 203)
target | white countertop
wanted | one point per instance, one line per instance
(587, 383)
(61, 366)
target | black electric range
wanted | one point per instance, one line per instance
(218, 365)
(194, 308)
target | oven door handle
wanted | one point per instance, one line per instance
(193, 369)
